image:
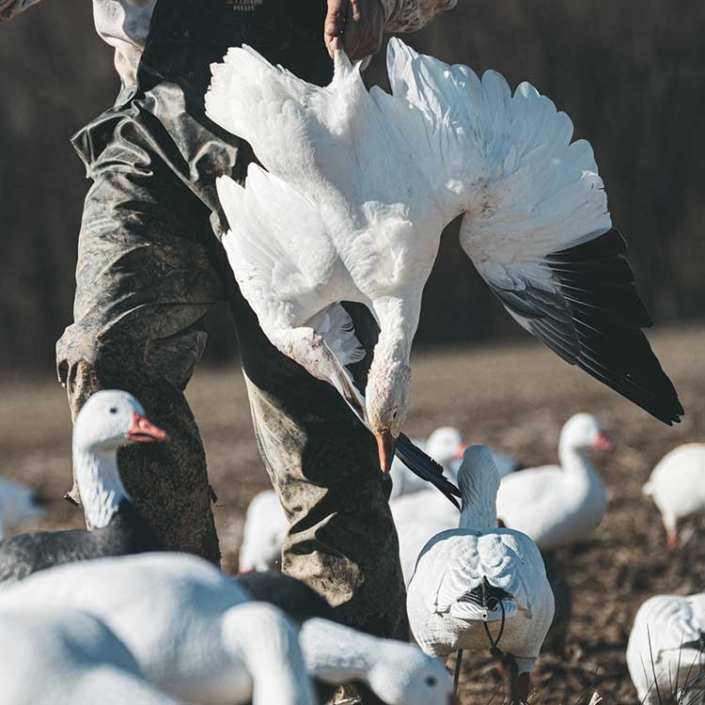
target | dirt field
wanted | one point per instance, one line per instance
(514, 398)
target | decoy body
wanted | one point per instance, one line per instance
(199, 636)
(357, 189)
(559, 505)
(263, 536)
(666, 650)
(108, 420)
(68, 657)
(477, 586)
(677, 487)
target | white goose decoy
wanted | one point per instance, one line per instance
(357, 189)
(67, 657)
(193, 631)
(107, 421)
(559, 505)
(399, 674)
(666, 650)
(198, 635)
(677, 486)
(264, 533)
(479, 574)
(18, 503)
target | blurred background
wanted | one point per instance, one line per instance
(629, 73)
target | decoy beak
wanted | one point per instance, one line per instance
(385, 446)
(604, 442)
(144, 431)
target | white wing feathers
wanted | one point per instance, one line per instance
(506, 160)
(278, 273)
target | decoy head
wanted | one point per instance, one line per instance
(583, 431)
(410, 678)
(445, 444)
(111, 419)
(387, 400)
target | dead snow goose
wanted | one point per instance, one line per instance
(358, 188)
(52, 657)
(107, 421)
(666, 650)
(478, 586)
(677, 486)
(559, 505)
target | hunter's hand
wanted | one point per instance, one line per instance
(358, 23)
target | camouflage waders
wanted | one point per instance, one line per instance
(150, 268)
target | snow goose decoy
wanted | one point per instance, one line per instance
(556, 505)
(264, 533)
(479, 587)
(183, 621)
(398, 674)
(52, 657)
(357, 189)
(194, 632)
(107, 421)
(666, 650)
(677, 487)
(18, 503)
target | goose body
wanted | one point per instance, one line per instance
(357, 189)
(18, 503)
(677, 487)
(562, 505)
(478, 576)
(666, 650)
(264, 533)
(60, 657)
(108, 420)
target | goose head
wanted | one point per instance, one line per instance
(111, 419)
(445, 444)
(387, 403)
(409, 677)
(582, 432)
(478, 480)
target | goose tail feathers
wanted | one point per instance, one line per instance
(426, 468)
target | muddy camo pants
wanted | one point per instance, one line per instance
(149, 269)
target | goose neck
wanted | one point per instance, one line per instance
(574, 460)
(335, 654)
(479, 511)
(99, 485)
(260, 637)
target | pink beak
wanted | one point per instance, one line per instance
(604, 442)
(461, 450)
(144, 431)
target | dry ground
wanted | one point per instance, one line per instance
(514, 398)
